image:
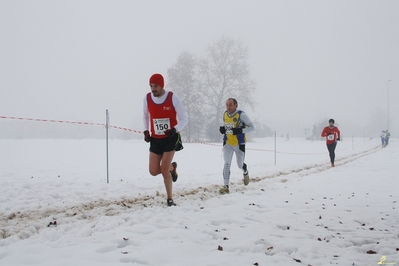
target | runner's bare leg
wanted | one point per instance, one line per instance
(161, 164)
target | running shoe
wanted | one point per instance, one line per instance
(224, 190)
(246, 175)
(170, 203)
(173, 173)
(246, 179)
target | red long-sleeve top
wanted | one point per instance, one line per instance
(331, 134)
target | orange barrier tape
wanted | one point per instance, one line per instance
(137, 131)
(51, 120)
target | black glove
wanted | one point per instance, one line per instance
(170, 132)
(147, 136)
(338, 139)
(222, 130)
(237, 131)
(329, 133)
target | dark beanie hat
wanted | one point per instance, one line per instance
(157, 79)
(331, 121)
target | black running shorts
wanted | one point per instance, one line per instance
(159, 146)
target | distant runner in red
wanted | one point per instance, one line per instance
(332, 135)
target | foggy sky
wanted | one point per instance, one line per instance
(310, 60)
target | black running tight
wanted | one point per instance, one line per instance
(331, 150)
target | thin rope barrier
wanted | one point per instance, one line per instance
(140, 132)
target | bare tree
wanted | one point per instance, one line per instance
(224, 73)
(182, 80)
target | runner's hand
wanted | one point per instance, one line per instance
(170, 132)
(147, 136)
(222, 130)
(237, 131)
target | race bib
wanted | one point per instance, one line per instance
(161, 125)
(330, 137)
(229, 128)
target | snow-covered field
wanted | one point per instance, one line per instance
(56, 207)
